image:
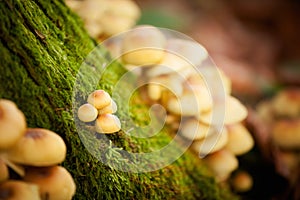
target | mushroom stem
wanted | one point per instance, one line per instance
(15, 167)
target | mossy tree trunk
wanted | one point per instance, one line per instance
(42, 46)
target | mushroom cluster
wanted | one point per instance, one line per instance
(100, 107)
(33, 154)
(169, 69)
(277, 130)
(104, 18)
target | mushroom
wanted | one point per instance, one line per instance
(179, 54)
(143, 45)
(222, 163)
(110, 109)
(211, 143)
(17, 190)
(123, 9)
(12, 124)
(287, 102)
(99, 99)
(38, 147)
(242, 181)
(55, 183)
(240, 140)
(107, 123)
(286, 133)
(192, 129)
(234, 112)
(87, 113)
(4, 174)
(113, 24)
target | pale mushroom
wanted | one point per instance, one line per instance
(235, 112)
(99, 99)
(211, 143)
(222, 163)
(38, 147)
(87, 113)
(18, 190)
(110, 109)
(286, 133)
(192, 129)
(107, 123)
(240, 140)
(143, 45)
(287, 102)
(124, 9)
(55, 183)
(12, 124)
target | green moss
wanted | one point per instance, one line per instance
(42, 47)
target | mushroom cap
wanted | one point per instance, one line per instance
(55, 183)
(143, 45)
(15, 190)
(222, 163)
(38, 147)
(99, 99)
(286, 133)
(112, 24)
(192, 129)
(107, 123)
(242, 181)
(111, 108)
(12, 124)
(123, 9)
(235, 112)
(240, 140)
(4, 174)
(211, 144)
(287, 102)
(87, 113)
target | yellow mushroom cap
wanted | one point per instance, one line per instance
(107, 123)
(242, 181)
(211, 144)
(12, 124)
(87, 113)
(143, 45)
(123, 9)
(287, 102)
(99, 99)
(240, 140)
(55, 183)
(17, 190)
(192, 129)
(286, 133)
(111, 108)
(222, 163)
(235, 112)
(38, 147)
(4, 174)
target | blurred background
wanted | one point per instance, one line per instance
(257, 44)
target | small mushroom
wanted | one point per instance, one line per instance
(110, 109)
(235, 112)
(124, 9)
(240, 140)
(211, 144)
(99, 99)
(286, 133)
(113, 24)
(192, 129)
(144, 45)
(38, 147)
(87, 113)
(222, 163)
(242, 181)
(287, 102)
(107, 123)
(55, 183)
(12, 124)
(4, 174)
(17, 190)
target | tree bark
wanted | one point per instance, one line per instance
(42, 47)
